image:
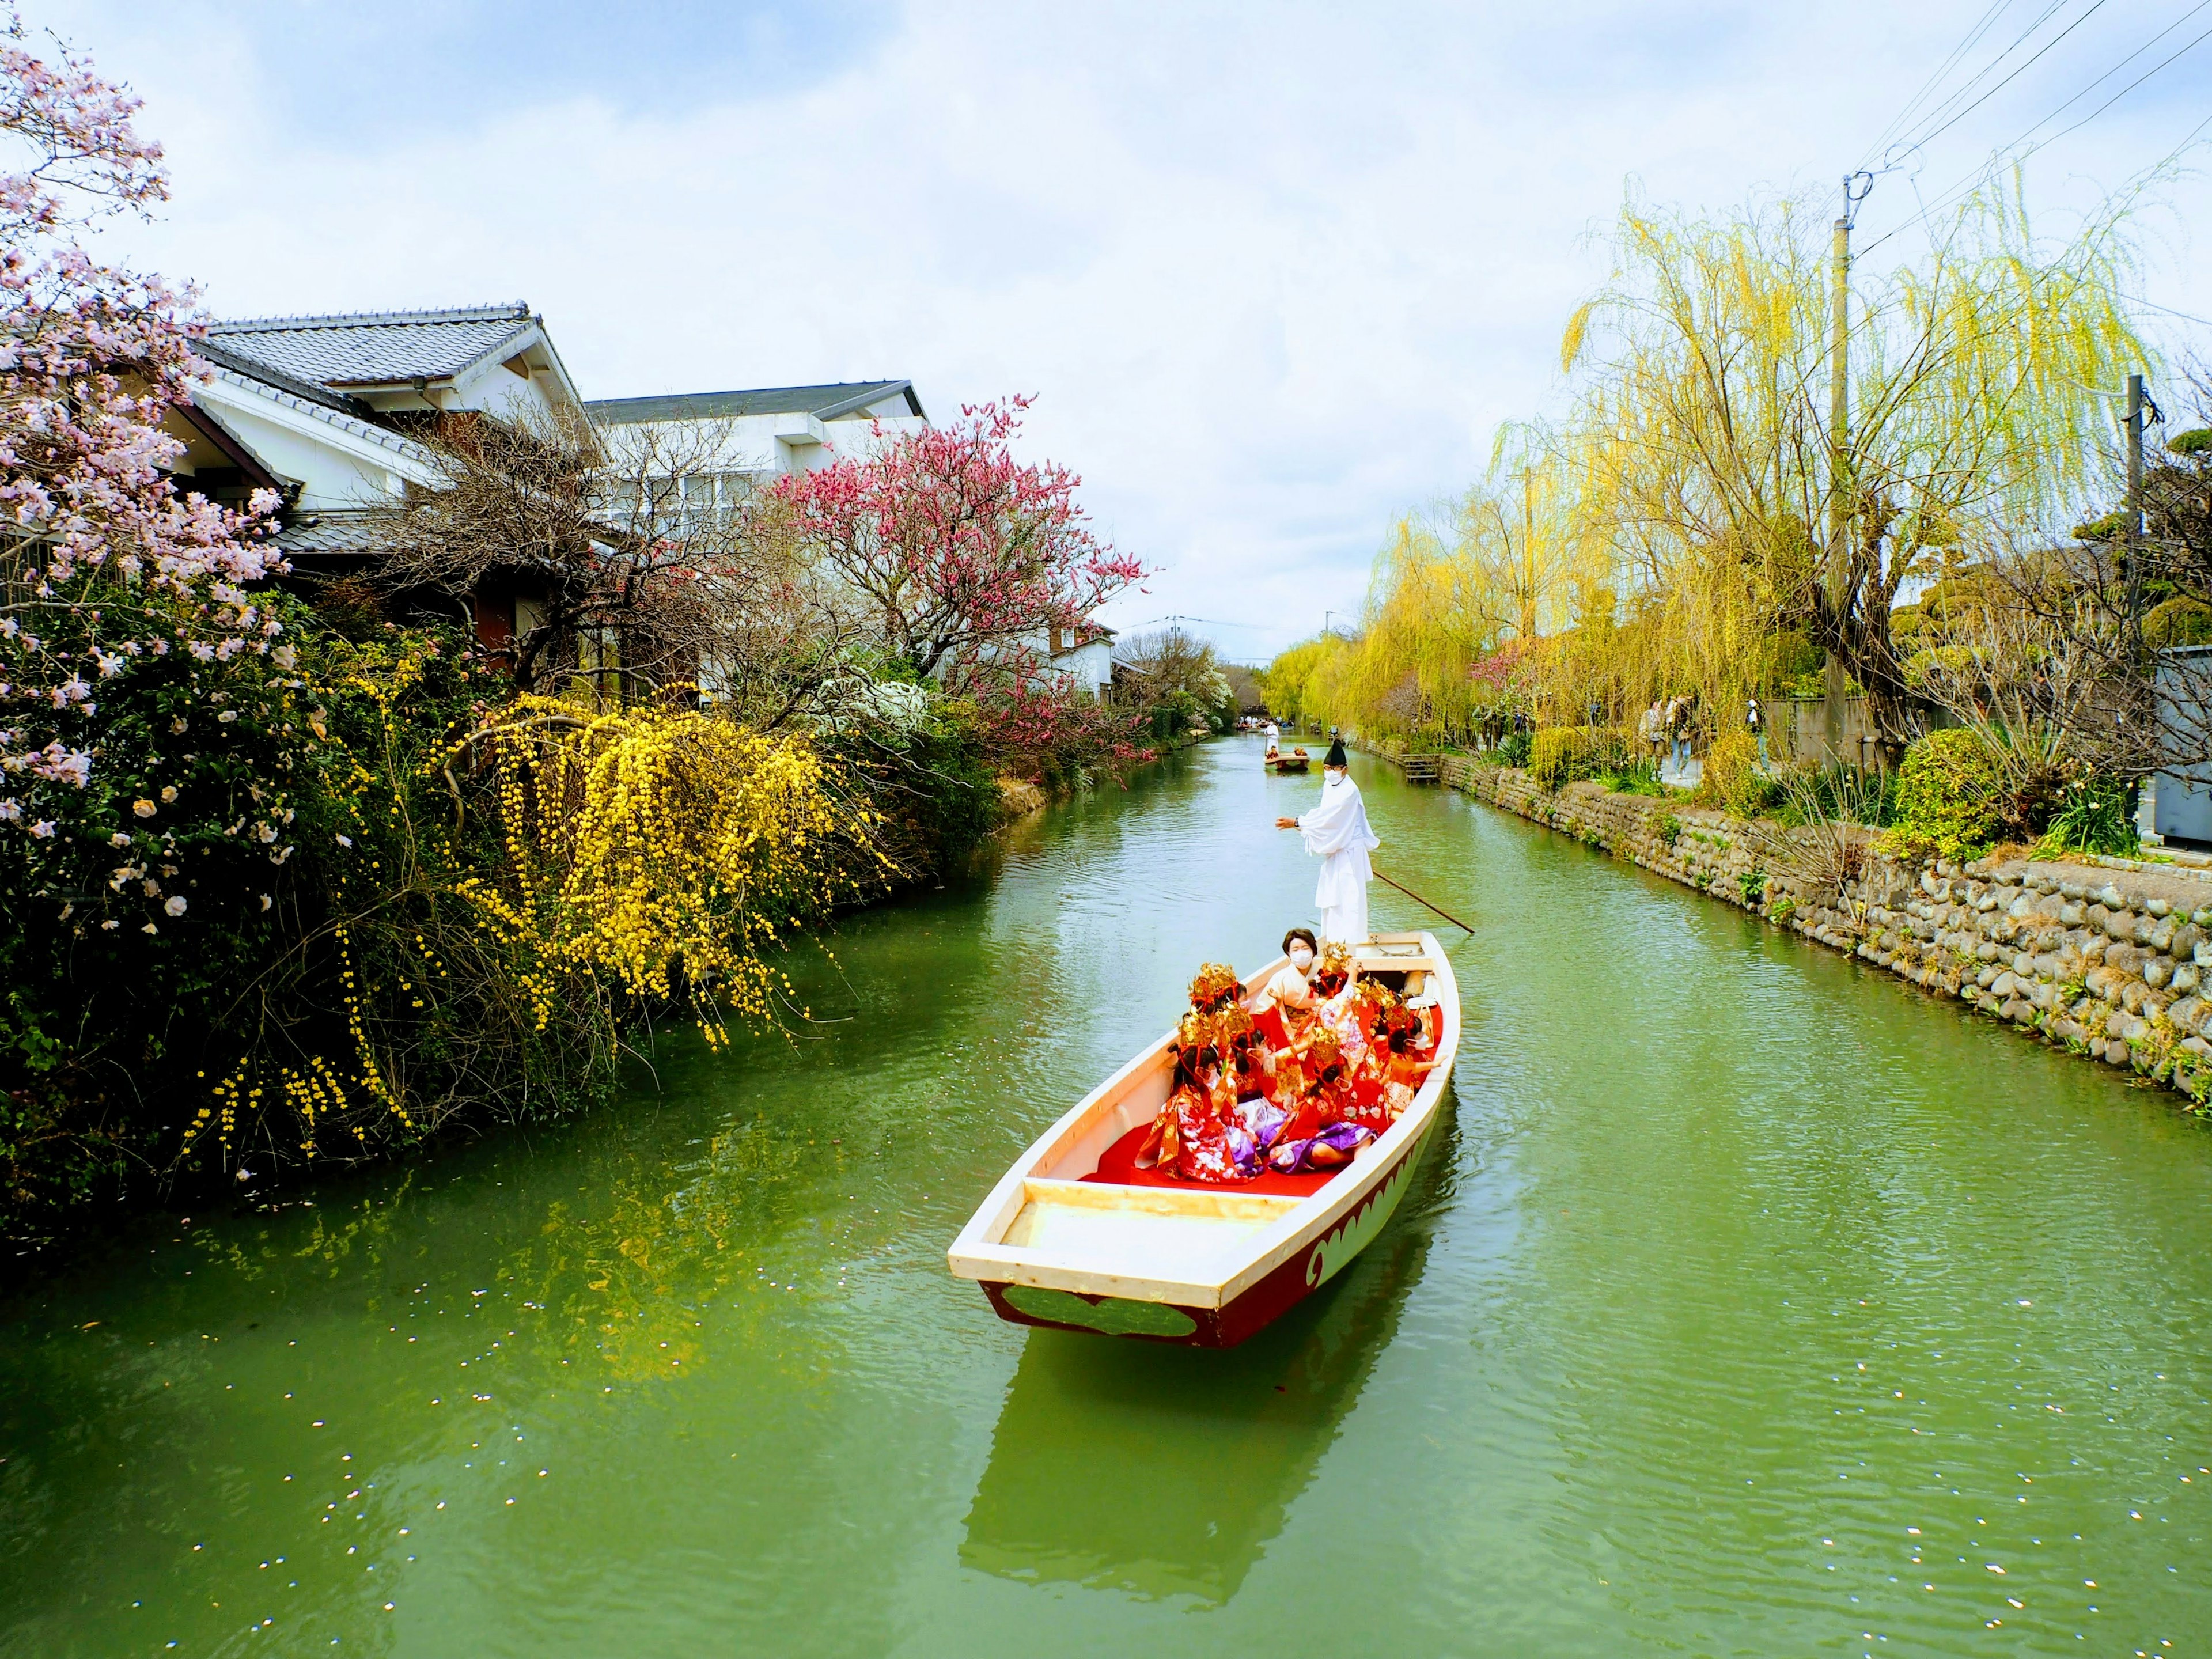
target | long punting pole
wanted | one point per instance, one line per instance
(1418, 899)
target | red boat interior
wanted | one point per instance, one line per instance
(1117, 1167)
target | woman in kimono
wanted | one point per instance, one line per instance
(1336, 832)
(1285, 1002)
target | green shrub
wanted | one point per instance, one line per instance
(2094, 815)
(245, 876)
(1561, 753)
(1735, 776)
(2179, 620)
(1950, 798)
(1635, 776)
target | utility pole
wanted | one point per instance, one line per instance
(2134, 512)
(1527, 554)
(1839, 509)
(1842, 505)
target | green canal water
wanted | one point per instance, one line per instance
(1748, 1303)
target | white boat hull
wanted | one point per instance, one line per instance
(1206, 1266)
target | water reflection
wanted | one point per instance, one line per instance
(1165, 1471)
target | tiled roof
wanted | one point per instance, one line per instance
(323, 410)
(330, 532)
(825, 402)
(366, 349)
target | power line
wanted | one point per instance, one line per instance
(1906, 141)
(1973, 39)
(1965, 186)
(2124, 62)
(1930, 136)
(1208, 622)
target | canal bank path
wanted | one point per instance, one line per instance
(1751, 1302)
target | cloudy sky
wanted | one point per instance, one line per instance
(1273, 271)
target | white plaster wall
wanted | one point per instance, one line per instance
(331, 473)
(771, 444)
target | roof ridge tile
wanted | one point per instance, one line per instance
(518, 310)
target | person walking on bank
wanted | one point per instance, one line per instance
(1336, 832)
(1756, 721)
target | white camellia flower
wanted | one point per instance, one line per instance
(175, 906)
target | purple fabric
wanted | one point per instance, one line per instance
(1262, 1119)
(1290, 1156)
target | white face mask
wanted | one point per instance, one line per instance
(1300, 958)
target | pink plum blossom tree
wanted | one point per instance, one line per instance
(967, 558)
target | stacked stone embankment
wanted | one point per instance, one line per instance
(2112, 964)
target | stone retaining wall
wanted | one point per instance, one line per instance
(2113, 964)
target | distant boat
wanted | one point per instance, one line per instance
(1296, 760)
(1171, 1261)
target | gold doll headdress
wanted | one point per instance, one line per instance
(1335, 957)
(1377, 995)
(1216, 1027)
(1216, 983)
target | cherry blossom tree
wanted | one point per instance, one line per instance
(967, 558)
(102, 560)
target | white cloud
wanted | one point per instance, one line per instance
(1276, 272)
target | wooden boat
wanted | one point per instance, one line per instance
(1296, 760)
(1176, 1261)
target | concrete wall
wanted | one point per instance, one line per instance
(2114, 965)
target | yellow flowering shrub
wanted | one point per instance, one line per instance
(663, 854)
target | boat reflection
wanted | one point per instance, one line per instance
(1164, 1471)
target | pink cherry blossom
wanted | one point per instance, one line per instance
(108, 562)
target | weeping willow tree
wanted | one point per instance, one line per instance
(1298, 683)
(1699, 434)
(1425, 623)
(1692, 511)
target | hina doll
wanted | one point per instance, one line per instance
(1191, 1138)
(1408, 1055)
(1216, 1122)
(1318, 1135)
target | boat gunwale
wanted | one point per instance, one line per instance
(976, 1253)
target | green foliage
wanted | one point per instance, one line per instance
(1513, 748)
(1950, 798)
(1635, 776)
(1837, 794)
(2094, 815)
(1735, 777)
(933, 783)
(1792, 658)
(1669, 828)
(1561, 753)
(2178, 620)
(225, 886)
(1295, 684)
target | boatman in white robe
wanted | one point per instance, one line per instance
(1336, 832)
